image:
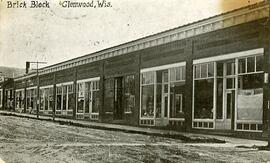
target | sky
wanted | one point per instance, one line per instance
(57, 34)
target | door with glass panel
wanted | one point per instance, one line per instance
(92, 100)
(162, 96)
(118, 98)
(229, 106)
(225, 95)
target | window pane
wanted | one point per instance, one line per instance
(87, 101)
(159, 76)
(58, 101)
(251, 64)
(251, 81)
(42, 100)
(230, 103)
(220, 69)
(80, 95)
(158, 100)
(129, 93)
(197, 71)
(230, 68)
(204, 71)
(71, 103)
(219, 110)
(259, 63)
(147, 108)
(173, 74)
(148, 77)
(250, 97)
(46, 99)
(230, 83)
(95, 102)
(165, 76)
(210, 69)
(64, 101)
(242, 65)
(70, 88)
(203, 99)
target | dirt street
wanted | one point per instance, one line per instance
(27, 140)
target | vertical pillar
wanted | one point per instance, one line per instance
(189, 50)
(265, 42)
(13, 94)
(25, 97)
(75, 92)
(54, 95)
(266, 91)
(136, 111)
(101, 91)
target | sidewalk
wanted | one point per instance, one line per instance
(189, 137)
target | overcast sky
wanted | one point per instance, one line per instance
(58, 34)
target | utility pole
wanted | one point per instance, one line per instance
(27, 67)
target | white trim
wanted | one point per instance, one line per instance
(248, 130)
(250, 121)
(18, 90)
(193, 94)
(66, 83)
(29, 88)
(1, 97)
(214, 94)
(176, 119)
(88, 80)
(203, 120)
(230, 56)
(163, 67)
(147, 118)
(47, 86)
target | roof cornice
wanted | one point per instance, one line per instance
(232, 18)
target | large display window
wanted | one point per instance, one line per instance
(250, 94)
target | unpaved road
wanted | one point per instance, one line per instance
(27, 140)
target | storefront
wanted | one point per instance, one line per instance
(163, 95)
(46, 99)
(120, 96)
(228, 91)
(65, 99)
(9, 99)
(31, 99)
(88, 99)
(19, 100)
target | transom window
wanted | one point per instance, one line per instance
(205, 70)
